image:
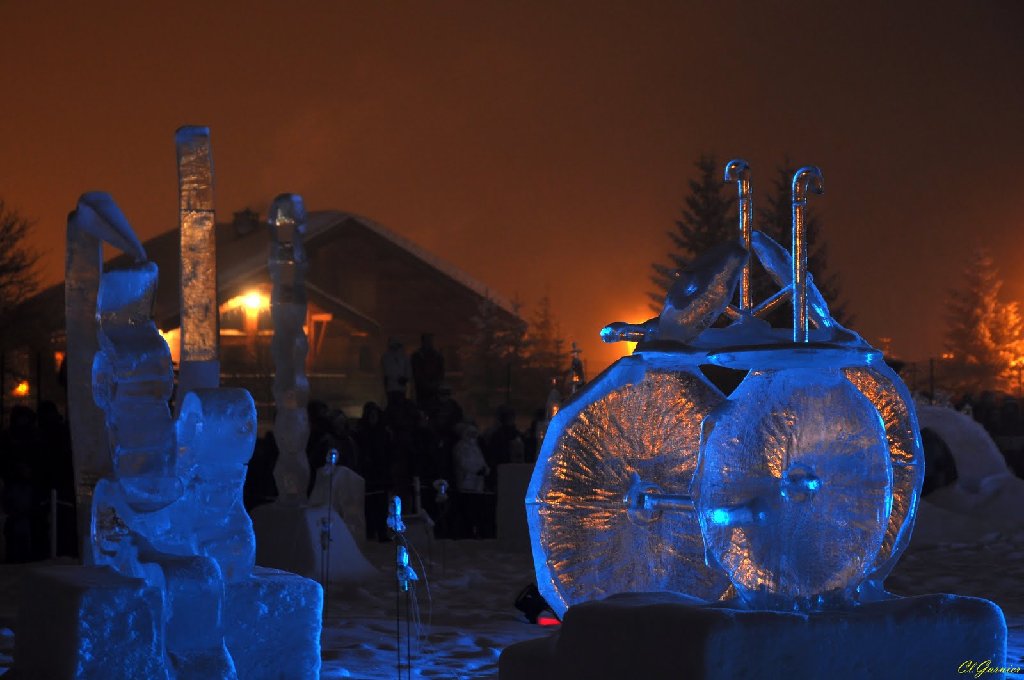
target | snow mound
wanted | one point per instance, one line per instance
(977, 456)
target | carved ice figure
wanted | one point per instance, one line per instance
(699, 295)
(95, 220)
(288, 265)
(171, 511)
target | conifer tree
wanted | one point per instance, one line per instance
(546, 345)
(708, 218)
(983, 333)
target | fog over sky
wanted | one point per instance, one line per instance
(542, 146)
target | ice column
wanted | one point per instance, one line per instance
(738, 170)
(199, 367)
(807, 178)
(96, 219)
(288, 265)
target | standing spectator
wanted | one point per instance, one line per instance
(473, 515)
(503, 443)
(427, 372)
(445, 420)
(58, 474)
(395, 367)
(319, 440)
(24, 488)
(375, 443)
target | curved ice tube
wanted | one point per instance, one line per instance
(738, 170)
(807, 178)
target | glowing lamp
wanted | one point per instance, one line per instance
(21, 389)
(254, 301)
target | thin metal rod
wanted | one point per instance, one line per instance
(774, 302)
(738, 170)
(398, 627)
(408, 635)
(667, 501)
(806, 178)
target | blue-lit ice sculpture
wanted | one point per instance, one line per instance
(169, 589)
(802, 486)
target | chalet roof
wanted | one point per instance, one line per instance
(242, 256)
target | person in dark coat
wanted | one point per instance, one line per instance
(427, 372)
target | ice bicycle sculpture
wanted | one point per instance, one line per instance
(799, 489)
(680, 532)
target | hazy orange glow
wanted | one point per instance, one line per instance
(173, 339)
(540, 146)
(22, 389)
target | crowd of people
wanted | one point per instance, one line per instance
(414, 447)
(35, 462)
(418, 445)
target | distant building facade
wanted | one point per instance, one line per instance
(365, 284)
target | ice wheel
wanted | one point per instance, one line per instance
(636, 424)
(892, 400)
(794, 487)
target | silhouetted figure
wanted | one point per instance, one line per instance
(470, 483)
(534, 436)
(394, 365)
(58, 474)
(445, 419)
(502, 443)
(427, 372)
(24, 492)
(375, 442)
(260, 487)
(320, 440)
(343, 441)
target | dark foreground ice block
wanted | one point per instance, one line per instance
(665, 635)
(272, 624)
(92, 622)
(88, 622)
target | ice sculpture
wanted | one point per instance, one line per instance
(199, 366)
(171, 546)
(96, 220)
(820, 427)
(287, 221)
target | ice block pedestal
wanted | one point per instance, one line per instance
(89, 622)
(668, 635)
(272, 623)
(291, 537)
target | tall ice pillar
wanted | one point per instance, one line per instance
(288, 265)
(200, 367)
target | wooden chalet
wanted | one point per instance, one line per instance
(365, 284)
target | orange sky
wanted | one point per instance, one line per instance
(541, 146)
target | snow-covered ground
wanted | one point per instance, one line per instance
(469, 617)
(969, 541)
